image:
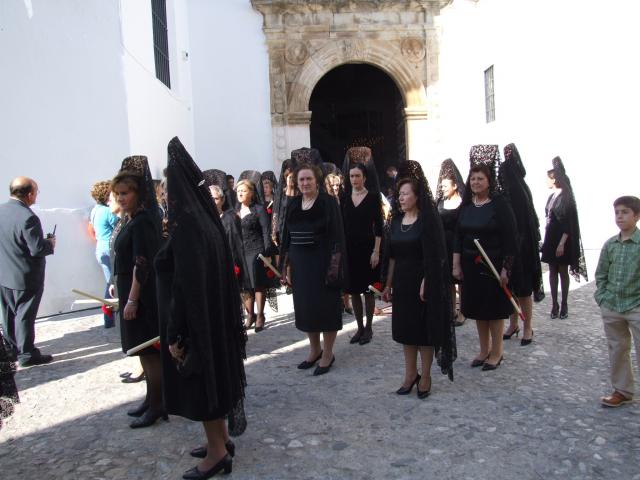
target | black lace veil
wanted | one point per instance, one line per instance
(219, 178)
(254, 177)
(204, 282)
(361, 155)
(515, 188)
(568, 207)
(280, 202)
(139, 165)
(437, 316)
(488, 155)
(448, 169)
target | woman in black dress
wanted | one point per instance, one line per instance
(526, 277)
(135, 248)
(256, 239)
(449, 195)
(485, 215)
(419, 282)
(363, 226)
(215, 180)
(202, 336)
(562, 246)
(312, 262)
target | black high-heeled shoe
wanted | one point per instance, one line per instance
(554, 311)
(201, 452)
(478, 362)
(507, 336)
(139, 410)
(148, 418)
(306, 365)
(251, 319)
(322, 370)
(226, 464)
(260, 326)
(564, 311)
(491, 366)
(131, 379)
(407, 390)
(526, 341)
(424, 394)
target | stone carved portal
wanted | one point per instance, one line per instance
(308, 38)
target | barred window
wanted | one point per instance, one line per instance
(160, 40)
(490, 106)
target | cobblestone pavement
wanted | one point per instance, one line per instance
(535, 417)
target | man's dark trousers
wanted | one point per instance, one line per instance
(19, 310)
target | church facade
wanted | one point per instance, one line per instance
(244, 82)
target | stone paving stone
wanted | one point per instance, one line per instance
(537, 416)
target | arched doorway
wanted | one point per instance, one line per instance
(358, 105)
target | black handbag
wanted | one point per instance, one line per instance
(190, 363)
(335, 274)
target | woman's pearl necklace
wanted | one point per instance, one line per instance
(307, 204)
(481, 203)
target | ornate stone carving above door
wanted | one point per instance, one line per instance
(308, 38)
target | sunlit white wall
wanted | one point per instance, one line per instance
(79, 94)
(230, 71)
(566, 82)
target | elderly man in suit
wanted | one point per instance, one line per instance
(23, 249)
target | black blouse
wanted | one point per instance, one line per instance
(256, 230)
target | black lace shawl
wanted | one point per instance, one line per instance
(306, 155)
(204, 285)
(219, 178)
(363, 156)
(448, 169)
(139, 165)
(8, 390)
(437, 272)
(566, 209)
(515, 188)
(280, 202)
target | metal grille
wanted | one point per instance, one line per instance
(490, 106)
(160, 41)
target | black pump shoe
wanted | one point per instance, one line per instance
(424, 394)
(491, 366)
(201, 452)
(148, 418)
(507, 336)
(226, 464)
(564, 311)
(526, 341)
(139, 410)
(322, 370)
(554, 311)
(407, 390)
(306, 365)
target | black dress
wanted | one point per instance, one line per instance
(256, 238)
(493, 224)
(136, 246)
(310, 236)
(559, 213)
(361, 225)
(405, 248)
(449, 217)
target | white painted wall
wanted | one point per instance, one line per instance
(564, 86)
(79, 94)
(230, 71)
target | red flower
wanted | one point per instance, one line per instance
(269, 211)
(236, 270)
(378, 286)
(156, 345)
(270, 274)
(478, 260)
